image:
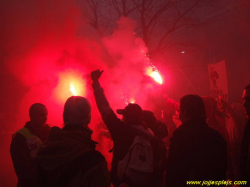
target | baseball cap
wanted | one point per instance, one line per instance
(131, 110)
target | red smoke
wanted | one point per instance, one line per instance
(48, 47)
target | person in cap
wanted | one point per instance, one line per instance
(25, 144)
(245, 144)
(123, 131)
(69, 157)
(197, 152)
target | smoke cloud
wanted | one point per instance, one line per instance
(47, 46)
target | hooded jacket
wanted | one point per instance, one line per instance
(57, 158)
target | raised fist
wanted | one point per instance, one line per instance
(95, 75)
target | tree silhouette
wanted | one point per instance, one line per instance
(157, 20)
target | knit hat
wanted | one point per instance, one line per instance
(77, 110)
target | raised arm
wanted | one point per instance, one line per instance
(109, 117)
(101, 100)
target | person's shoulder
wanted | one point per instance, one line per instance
(248, 125)
(54, 129)
(188, 131)
(18, 136)
(216, 136)
(18, 140)
(182, 129)
(213, 131)
(48, 126)
(111, 120)
(181, 134)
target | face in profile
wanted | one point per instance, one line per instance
(246, 102)
(125, 119)
(39, 116)
(182, 116)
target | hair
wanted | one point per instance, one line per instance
(34, 108)
(247, 87)
(194, 106)
(77, 111)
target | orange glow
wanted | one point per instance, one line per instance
(132, 100)
(70, 83)
(154, 74)
(73, 89)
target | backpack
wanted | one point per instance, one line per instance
(138, 164)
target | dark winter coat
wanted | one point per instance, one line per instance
(245, 156)
(69, 158)
(197, 152)
(122, 134)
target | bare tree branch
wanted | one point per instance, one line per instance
(175, 24)
(156, 19)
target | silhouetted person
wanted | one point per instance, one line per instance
(214, 76)
(160, 131)
(197, 152)
(69, 157)
(25, 144)
(235, 121)
(215, 118)
(123, 133)
(245, 156)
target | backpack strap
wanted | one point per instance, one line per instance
(85, 162)
(144, 132)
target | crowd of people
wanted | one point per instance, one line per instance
(201, 139)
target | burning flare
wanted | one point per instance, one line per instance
(73, 89)
(157, 77)
(154, 74)
(132, 100)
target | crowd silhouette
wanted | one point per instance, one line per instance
(198, 139)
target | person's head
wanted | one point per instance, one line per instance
(38, 114)
(132, 113)
(148, 118)
(210, 106)
(192, 107)
(246, 100)
(77, 111)
(159, 128)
